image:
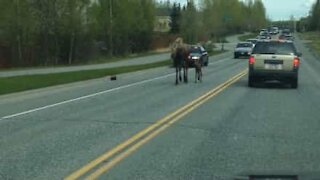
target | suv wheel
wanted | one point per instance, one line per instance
(251, 81)
(294, 83)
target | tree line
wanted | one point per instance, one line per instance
(311, 22)
(42, 32)
(217, 18)
(51, 32)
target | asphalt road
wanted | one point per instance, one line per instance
(272, 129)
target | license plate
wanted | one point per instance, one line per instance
(273, 66)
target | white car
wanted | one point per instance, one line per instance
(243, 49)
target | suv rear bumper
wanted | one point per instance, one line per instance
(273, 75)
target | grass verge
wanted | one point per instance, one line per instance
(97, 60)
(313, 38)
(23, 83)
(247, 36)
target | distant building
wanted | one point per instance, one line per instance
(163, 20)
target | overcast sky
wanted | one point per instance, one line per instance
(281, 9)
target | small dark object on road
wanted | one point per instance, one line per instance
(113, 78)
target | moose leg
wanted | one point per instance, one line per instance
(185, 74)
(196, 75)
(177, 73)
(180, 74)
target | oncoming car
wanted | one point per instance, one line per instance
(198, 52)
(274, 60)
(243, 49)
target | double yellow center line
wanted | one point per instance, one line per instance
(106, 161)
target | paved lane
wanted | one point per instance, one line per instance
(271, 129)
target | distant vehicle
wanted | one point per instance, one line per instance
(274, 31)
(282, 37)
(198, 52)
(289, 37)
(263, 30)
(274, 60)
(286, 32)
(243, 49)
(264, 35)
(253, 41)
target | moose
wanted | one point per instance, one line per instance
(181, 60)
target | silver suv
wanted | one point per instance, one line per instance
(274, 60)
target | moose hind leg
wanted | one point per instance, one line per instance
(185, 75)
(177, 74)
(196, 75)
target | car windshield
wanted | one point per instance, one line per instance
(195, 50)
(244, 45)
(274, 48)
(253, 41)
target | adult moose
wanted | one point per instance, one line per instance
(179, 55)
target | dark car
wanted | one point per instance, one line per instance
(288, 37)
(282, 37)
(198, 52)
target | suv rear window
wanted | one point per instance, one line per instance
(284, 48)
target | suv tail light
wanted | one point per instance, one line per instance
(296, 62)
(251, 60)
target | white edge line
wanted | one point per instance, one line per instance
(93, 95)
(84, 97)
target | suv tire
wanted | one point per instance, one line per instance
(294, 83)
(251, 81)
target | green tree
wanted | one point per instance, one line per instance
(223, 17)
(315, 17)
(175, 18)
(18, 27)
(190, 23)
